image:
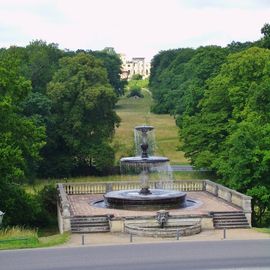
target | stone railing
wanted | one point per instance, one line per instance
(103, 187)
(63, 209)
(229, 195)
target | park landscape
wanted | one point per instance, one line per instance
(66, 116)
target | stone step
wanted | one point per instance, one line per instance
(233, 226)
(90, 219)
(88, 224)
(230, 218)
(228, 214)
(90, 229)
(244, 222)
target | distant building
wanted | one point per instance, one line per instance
(137, 65)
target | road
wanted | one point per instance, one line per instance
(247, 254)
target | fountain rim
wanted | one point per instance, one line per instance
(166, 194)
(139, 159)
(144, 128)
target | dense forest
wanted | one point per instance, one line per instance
(220, 97)
(57, 119)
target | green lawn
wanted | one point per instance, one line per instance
(263, 230)
(16, 237)
(134, 112)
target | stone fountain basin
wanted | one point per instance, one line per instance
(158, 199)
(153, 229)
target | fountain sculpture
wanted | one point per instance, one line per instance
(145, 198)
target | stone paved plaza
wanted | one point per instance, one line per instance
(81, 205)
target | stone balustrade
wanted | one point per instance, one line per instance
(229, 195)
(63, 209)
(103, 187)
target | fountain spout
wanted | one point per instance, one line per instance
(162, 217)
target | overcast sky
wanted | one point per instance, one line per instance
(136, 28)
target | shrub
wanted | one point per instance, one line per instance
(137, 77)
(24, 209)
(135, 91)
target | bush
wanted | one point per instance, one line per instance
(48, 199)
(135, 91)
(137, 77)
(20, 208)
(23, 209)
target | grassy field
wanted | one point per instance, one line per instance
(17, 237)
(263, 230)
(134, 112)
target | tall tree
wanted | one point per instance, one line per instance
(83, 117)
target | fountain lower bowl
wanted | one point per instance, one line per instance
(133, 200)
(143, 160)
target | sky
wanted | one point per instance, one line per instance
(138, 28)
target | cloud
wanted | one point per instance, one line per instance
(137, 28)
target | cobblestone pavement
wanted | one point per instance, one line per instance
(83, 205)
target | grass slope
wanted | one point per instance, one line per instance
(134, 112)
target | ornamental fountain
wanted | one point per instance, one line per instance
(145, 198)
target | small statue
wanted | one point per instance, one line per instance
(162, 217)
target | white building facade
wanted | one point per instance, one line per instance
(137, 65)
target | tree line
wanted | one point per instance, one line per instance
(220, 97)
(57, 119)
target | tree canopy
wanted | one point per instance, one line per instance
(83, 117)
(220, 98)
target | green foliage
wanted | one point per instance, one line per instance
(47, 197)
(112, 63)
(265, 41)
(42, 59)
(179, 87)
(20, 138)
(19, 237)
(20, 208)
(137, 77)
(135, 91)
(26, 209)
(138, 83)
(83, 117)
(230, 134)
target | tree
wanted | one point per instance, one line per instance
(166, 76)
(230, 133)
(265, 41)
(42, 59)
(83, 117)
(21, 138)
(112, 63)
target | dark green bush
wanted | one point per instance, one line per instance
(135, 91)
(24, 209)
(137, 77)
